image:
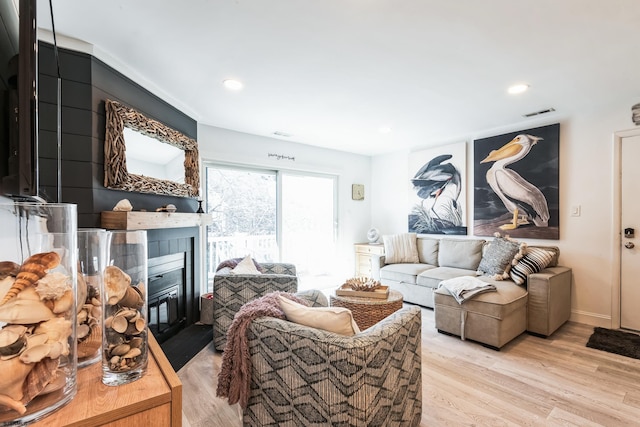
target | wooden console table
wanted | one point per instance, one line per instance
(153, 400)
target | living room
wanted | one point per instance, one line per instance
(592, 109)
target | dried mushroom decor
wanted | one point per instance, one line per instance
(116, 175)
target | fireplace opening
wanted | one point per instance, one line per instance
(167, 295)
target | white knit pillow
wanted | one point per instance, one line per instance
(246, 266)
(401, 248)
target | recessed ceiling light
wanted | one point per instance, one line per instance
(232, 84)
(519, 88)
(384, 129)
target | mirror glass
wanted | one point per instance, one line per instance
(153, 158)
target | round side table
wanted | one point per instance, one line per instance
(369, 311)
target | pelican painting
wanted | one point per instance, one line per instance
(523, 199)
(438, 183)
(516, 183)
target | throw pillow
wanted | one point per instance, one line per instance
(401, 248)
(534, 260)
(497, 258)
(233, 262)
(246, 266)
(338, 320)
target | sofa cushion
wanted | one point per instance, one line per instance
(432, 277)
(400, 248)
(497, 257)
(428, 250)
(338, 320)
(405, 273)
(460, 253)
(508, 298)
(533, 261)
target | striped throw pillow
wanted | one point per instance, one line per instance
(533, 261)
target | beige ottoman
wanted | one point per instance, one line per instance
(491, 318)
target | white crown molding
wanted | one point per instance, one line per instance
(104, 56)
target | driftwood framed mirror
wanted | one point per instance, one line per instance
(116, 174)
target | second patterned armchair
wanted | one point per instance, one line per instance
(232, 291)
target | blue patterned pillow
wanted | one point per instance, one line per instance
(534, 260)
(496, 259)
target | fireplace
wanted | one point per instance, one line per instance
(167, 295)
(174, 264)
(174, 280)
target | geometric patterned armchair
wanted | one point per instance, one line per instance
(232, 291)
(301, 376)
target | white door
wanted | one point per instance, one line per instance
(630, 248)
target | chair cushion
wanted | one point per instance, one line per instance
(333, 319)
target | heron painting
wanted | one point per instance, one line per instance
(516, 180)
(437, 194)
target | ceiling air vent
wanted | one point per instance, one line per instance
(282, 134)
(537, 113)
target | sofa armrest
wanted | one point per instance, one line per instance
(372, 378)
(549, 303)
(377, 262)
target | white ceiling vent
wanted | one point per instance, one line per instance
(282, 134)
(537, 113)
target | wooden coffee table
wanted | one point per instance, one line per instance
(369, 311)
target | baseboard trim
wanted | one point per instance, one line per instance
(592, 319)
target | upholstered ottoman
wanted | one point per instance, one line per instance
(491, 318)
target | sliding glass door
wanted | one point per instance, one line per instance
(273, 216)
(309, 226)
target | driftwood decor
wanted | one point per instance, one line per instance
(116, 175)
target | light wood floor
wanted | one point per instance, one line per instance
(532, 381)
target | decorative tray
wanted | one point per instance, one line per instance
(381, 292)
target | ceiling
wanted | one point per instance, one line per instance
(331, 73)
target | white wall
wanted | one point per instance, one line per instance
(354, 217)
(587, 243)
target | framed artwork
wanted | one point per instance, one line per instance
(516, 184)
(437, 194)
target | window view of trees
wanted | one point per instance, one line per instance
(243, 205)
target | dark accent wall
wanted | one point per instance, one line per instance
(86, 83)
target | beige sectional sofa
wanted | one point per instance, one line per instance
(540, 306)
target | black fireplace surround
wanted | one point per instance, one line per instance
(173, 292)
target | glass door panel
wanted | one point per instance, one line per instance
(309, 227)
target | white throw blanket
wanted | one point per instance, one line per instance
(466, 287)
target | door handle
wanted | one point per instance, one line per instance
(629, 245)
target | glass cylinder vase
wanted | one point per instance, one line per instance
(92, 259)
(124, 305)
(38, 273)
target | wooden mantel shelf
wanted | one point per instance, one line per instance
(118, 220)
